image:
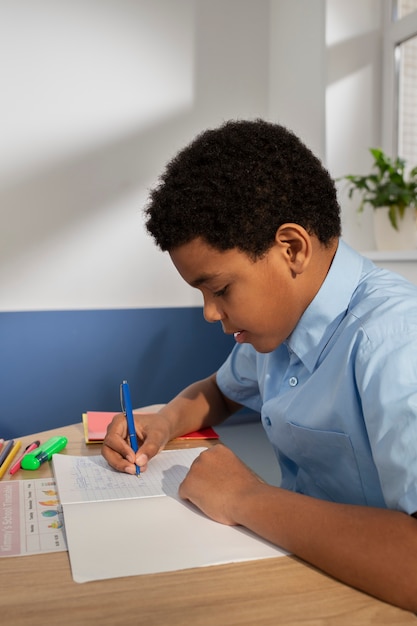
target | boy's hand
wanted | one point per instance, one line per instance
(153, 433)
(217, 483)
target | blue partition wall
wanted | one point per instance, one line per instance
(55, 365)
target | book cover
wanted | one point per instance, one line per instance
(95, 426)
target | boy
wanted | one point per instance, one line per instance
(325, 350)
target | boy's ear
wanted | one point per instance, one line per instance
(295, 244)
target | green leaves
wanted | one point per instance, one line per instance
(386, 185)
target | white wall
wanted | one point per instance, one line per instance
(353, 102)
(325, 84)
(297, 76)
(96, 96)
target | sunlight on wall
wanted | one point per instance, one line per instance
(349, 105)
(97, 95)
(353, 114)
(88, 90)
(350, 19)
(78, 73)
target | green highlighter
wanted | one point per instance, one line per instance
(33, 460)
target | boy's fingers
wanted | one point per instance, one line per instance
(152, 444)
(115, 449)
(118, 452)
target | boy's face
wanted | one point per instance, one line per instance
(260, 302)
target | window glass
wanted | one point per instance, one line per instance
(406, 53)
(404, 7)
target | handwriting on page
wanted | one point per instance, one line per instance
(90, 478)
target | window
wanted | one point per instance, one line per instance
(406, 54)
(402, 8)
(400, 75)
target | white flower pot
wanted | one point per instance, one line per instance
(387, 238)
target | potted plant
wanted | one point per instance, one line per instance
(393, 195)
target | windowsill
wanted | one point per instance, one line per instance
(391, 255)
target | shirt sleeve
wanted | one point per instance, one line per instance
(237, 377)
(387, 382)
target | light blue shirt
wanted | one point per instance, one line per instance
(338, 399)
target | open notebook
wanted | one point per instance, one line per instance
(122, 525)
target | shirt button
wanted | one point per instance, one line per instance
(268, 421)
(293, 381)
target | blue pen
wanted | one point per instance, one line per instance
(127, 410)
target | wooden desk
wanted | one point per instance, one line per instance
(39, 589)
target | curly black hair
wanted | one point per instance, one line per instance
(234, 186)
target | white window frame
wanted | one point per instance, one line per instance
(394, 33)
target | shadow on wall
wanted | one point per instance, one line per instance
(58, 364)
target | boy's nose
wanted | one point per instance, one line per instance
(211, 312)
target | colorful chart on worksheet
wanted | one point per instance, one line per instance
(31, 519)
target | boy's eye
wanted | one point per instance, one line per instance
(221, 292)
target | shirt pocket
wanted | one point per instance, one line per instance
(327, 465)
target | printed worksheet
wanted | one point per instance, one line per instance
(31, 519)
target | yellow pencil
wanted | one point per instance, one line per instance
(9, 458)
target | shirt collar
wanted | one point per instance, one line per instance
(324, 314)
